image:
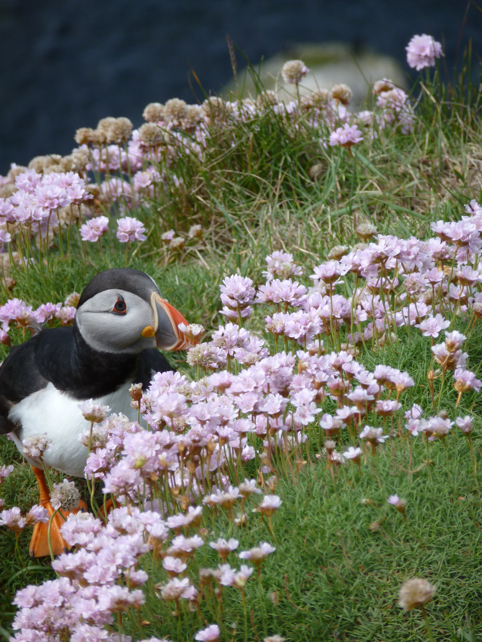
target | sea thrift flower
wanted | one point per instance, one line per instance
(173, 565)
(258, 554)
(242, 576)
(5, 471)
(65, 495)
(130, 229)
(346, 136)
(193, 332)
(94, 229)
(177, 589)
(35, 446)
(248, 487)
(354, 454)
(373, 435)
(13, 519)
(422, 51)
(414, 593)
(223, 547)
(93, 412)
(269, 505)
(466, 380)
(399, 504)
(465, 424)
(281, 266)
(433, 325)
(209, 634)
(37, 514)
(294, 71)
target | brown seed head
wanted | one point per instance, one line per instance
(383, 85)
(294, 71)
(337, 252)
(415, 593)
(84, 136)
(153, 113)
(267, 98)
(15, 171)
(342, 93)
(175, 110)
(366, 231)
(150, 135)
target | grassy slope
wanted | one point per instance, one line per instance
(342, 578)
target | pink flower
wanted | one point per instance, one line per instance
(466, 380)
(433, 325)
(13, 519)
(66, 315)
(257, 554)
(422, 51)
(209, 634)
(224, 547)
(346, 136)
(353, 453)
(400, 504)
(237, 292)
(94, 229)
(93, 412)
(465, 424)
(46, 311)
(36, 445)
(130, 229)
(177, 589)
(269, 505)
(5, 472)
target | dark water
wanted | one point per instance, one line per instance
(65, 64)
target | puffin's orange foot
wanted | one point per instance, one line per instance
(39, 544)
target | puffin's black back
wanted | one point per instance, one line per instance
(60, 356)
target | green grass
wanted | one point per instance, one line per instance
(333, 577)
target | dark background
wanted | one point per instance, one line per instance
(65, 64)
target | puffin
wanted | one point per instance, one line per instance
(120, 325)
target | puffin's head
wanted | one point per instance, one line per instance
(121, 310)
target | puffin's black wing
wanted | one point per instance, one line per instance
(19, 378)
(150, 362)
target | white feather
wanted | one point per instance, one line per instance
(54, 413)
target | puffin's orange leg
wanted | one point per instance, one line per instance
(39, 544)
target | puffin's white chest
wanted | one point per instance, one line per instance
(54, 413)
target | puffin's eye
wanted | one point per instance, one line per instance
(120, 306)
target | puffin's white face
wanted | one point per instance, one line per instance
(119, 321)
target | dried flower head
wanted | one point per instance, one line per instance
(342, 93)
(415, 593)
(294, 71)
(72, 300)
(366, 231)
(175, 110)
(150, 135)
(85, 136)
(153, 113)
(337, 252)
(65, 495)
(382, 86)
(195, 231)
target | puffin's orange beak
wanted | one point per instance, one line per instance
(166, 322)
